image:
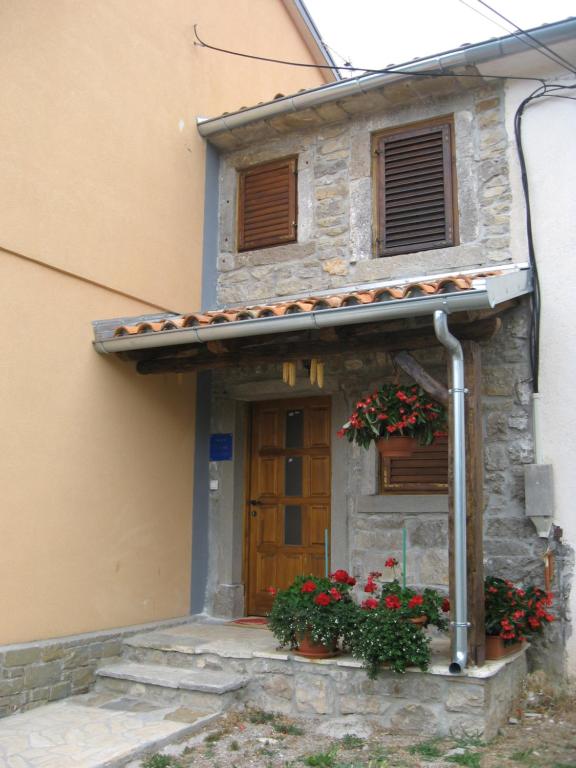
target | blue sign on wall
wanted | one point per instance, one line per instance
(220, 447)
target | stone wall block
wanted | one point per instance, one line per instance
(46, 674)
(496, 457)
(21, 657)
(335, 147)
(314, 695)
(361, 219)
(414, 718)
(427, 533)
(59, 691)
(433, 566)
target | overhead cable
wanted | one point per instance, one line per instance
(542, 47)
(385, 71)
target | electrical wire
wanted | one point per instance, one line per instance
(556, 57)
(535, 296)
(387, 70)
(536, 46)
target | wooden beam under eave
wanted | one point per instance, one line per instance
(429, 384)
(278, 350)
(474, 505)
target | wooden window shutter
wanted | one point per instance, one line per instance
(267, 205)
(426, 471)
(415, 190)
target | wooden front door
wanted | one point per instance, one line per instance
(289, 495)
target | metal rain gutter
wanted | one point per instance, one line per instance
(457, 393)
(487, 292)
(315, 97)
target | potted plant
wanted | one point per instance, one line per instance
(389, 628)
(512, 615)
(396, 417)
(312, 613)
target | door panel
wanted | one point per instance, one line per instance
(289, 497)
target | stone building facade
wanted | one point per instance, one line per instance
(335, 248)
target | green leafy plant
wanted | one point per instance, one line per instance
(319, 606)
(406, 601)
(427, 749)
(382, 636)
(321, 759)
(513, 613)
(259, 717)
(392, 410)
(470, 759)
(287, 729)
(160, 761)
(350, 741)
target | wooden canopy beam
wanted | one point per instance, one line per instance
(429, 384)
(280, 349)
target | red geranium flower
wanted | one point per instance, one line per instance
(445, 605)
(272, 591)
(391, 562)
(308, 586)
(335, 594)
(392, 601)
(370, 586)
(351, 581)
(322, 599)
(340, 576)
(414, 601)
(370, 603)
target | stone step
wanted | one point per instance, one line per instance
(211, 690)
(185, 659)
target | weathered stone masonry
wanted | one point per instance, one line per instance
(335, 186)
(335, 248)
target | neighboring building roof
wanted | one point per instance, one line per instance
(309, 31)
(389, 299)
(453, 61)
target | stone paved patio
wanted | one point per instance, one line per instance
(91, 731)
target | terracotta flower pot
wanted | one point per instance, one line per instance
(420, 621)
(495, 648)
(397, 446)
(311, 650)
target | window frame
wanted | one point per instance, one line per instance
(291, 236)
(446, 123)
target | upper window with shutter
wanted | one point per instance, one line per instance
(267, 205)
(416, 189)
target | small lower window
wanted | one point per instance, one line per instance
(426, 471)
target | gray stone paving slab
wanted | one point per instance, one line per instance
(226, 640)
(74, 734)
(174, 677)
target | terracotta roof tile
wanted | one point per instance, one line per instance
(343, 298)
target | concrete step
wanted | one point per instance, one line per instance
(210, 690)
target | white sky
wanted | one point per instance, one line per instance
(375, 33)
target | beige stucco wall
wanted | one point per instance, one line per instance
(102, 177)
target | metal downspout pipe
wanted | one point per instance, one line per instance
(460, 622)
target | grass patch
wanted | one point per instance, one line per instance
(234, 746)
(321, 759)
(427, 749)
(469, 759)
(160, 761)
(288, 729)
(212, 738)
(523, 756)
(466, 740)
(259, 717)
(350, 741)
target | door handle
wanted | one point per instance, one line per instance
(255, 503)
